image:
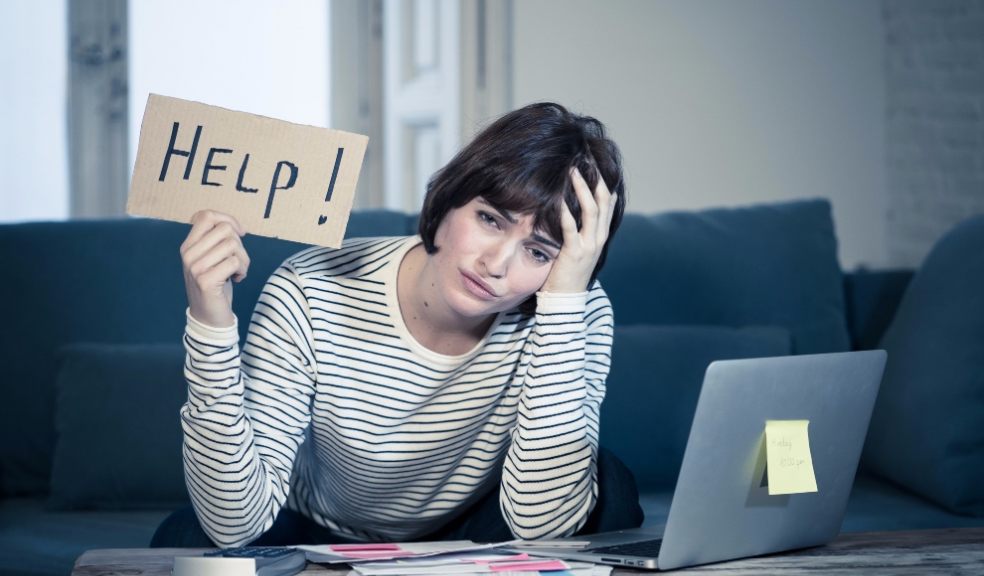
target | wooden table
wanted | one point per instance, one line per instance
(951, 551)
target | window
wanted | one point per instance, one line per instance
(33, 68)
(257, 56)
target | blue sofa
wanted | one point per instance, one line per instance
(92, 362)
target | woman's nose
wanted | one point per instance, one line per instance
(495, 259)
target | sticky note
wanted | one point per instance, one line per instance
(788, 459)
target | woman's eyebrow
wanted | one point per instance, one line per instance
(503, 213)
(544, 240)
(512, 220)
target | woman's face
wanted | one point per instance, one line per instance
(490, 261)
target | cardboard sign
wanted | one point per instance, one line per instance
(277, 178)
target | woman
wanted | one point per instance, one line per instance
(441, 386)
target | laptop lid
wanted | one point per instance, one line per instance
(721, 508)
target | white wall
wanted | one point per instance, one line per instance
(721, 103)
(934, 58)
(33, 69)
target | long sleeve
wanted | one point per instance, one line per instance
(549, 482)
(247, 413)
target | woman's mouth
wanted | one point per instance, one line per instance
(477, 287)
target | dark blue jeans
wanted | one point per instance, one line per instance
(617, 508)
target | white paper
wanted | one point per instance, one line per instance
(466, 568)
(323, 554)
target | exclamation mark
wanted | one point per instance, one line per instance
(331, 185)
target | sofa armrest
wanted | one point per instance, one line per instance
(871, 298)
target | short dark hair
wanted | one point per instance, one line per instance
(521, 163)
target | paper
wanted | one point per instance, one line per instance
(460, 564)
(453, 558)
(331, 554)
(372, 546)
(528, 566)
(277, 178)
(788, 459)
(465, 564)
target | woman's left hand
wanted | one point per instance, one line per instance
(576, 261)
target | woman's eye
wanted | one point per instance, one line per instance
(487, 218)
(539, 255)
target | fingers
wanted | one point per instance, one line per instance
(214, 216)
(205, 220)
(606, 209)
(568, 225)
(214, 277)
(214, 238)
(597, 209)
(589, 207)
(216, 247)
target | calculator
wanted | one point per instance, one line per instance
(270, 560)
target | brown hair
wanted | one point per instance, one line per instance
(521, 163)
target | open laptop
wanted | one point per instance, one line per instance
(721, 508)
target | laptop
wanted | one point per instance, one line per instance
(721, 508)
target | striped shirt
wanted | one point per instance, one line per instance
(334, 410)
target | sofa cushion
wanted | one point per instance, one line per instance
(771, 264)
(113, 280)
(653, 386)
(877, 504)
(118, 430)
(926, 430)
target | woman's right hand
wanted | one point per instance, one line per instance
(212, 256)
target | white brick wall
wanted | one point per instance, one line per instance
(934, 73)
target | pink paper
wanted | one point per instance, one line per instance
(531, 566)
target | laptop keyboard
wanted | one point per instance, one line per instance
(645, 548)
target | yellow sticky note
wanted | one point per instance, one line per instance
(790, 465)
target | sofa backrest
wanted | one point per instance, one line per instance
(688, 288)
(102, 281)
(768, 264)
(766, 275)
